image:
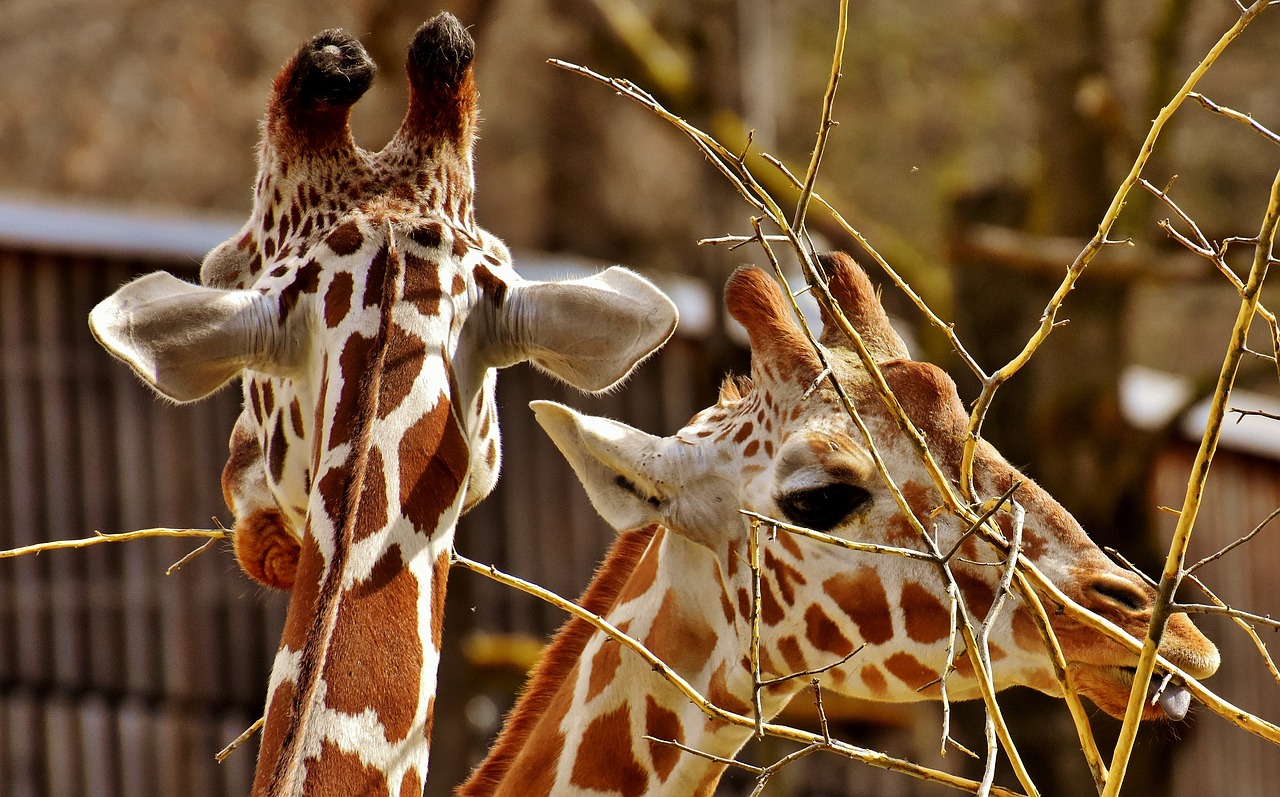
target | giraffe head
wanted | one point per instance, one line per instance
(367, 314)
(782, 444)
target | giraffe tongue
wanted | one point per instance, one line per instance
(1175, 701)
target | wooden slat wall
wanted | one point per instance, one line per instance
(1217, 757)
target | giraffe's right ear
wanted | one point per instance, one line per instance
(185, 340)
(590, 332)
(603, 454)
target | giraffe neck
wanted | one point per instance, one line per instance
(351, 694)
(582, 722)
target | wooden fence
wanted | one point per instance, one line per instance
(116, 679)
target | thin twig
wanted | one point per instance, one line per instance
(1243, 118)
(1232, 546)
(124, 536)
(1243, 625)
(226, 752)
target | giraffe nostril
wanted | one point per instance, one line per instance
(1121, 593)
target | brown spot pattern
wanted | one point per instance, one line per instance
(681, 638)
(337, 298)
(874, 679)
(371, 509)
(792, 655)
(823, 633)
(605, 759)
(603, 667)
(406, 353)
(433, 464)
(281, 713)
(346, 239)
(422, 284)
(355, 362)
(374, 663)
(719, 694)
(662, 723)
(376, 277)
(926, 619)
(304, 599)
(345, 770)
(861, 596)
(911, 671)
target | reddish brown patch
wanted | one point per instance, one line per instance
(680, 637)
(295, 417)
(641, 578)
(406, 353)
(604, 665)
(492, 287)
(743, 433)
(926, 619)
(350, 775)
(912, 672)
(346, 239)
(784, 576)
(277, 449)
(823, 633)
(333, 490)
(376, 278)
(371, 508)
(726, 608)
(306, 280)
(279, 717)
(792, 655)
(268, 397)
(411, 784)
(439, 585)
(770, 610)
(751, 449)
(874, 679)
(355, 363)
(744, 603)
(719, 694)
(662, 723)
(305, 595)
(459, 285)
(605, 760)
(978, 594)
(337, 298)
(1025, 633)
(422, 285)
(266, 548)
(788, 541)
(861, 596)
(433, 464)
(428, 235)
(372, 663)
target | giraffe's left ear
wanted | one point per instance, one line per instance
(185, 340)
(589, 332)
(605, 455)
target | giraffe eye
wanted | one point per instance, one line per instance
(823, 508)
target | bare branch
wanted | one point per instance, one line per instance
(1243, 118)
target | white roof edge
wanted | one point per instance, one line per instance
(1151, 400)
(97, 230)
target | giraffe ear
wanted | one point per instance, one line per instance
(601, 453)
(185, 340)
(590, 332)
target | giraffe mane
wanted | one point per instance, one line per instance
(558, 660)
(734, 388)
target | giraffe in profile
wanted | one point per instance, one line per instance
(367, 314)
(782, 445)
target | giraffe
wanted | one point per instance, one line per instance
(367, 314)
(676, 579)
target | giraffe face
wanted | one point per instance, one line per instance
(773, 446)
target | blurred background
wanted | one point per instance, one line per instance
(978, 146)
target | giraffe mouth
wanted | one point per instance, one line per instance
(1109, 688)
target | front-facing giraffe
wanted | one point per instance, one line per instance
(367, 313)
(678, 582)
